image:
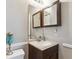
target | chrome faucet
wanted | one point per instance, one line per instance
(41, 38)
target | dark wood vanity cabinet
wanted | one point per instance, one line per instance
(50, 53)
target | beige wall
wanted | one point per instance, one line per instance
(16, 19)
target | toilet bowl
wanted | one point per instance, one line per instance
(17, 54)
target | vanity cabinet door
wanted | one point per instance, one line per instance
(34, 53)
(54, 56)
(50, 53)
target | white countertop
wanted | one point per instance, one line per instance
(42, 45)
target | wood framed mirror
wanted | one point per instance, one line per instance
(37, 19)
(48, 17)
(52, 15)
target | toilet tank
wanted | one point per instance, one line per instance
(17, 54)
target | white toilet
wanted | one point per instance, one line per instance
(17, 54)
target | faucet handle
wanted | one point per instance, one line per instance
(39, 38)
(42, 37)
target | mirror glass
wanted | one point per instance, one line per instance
(36, 19)
(50, 15)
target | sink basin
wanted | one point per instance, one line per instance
(42, 45)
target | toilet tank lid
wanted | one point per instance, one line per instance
(16, 53)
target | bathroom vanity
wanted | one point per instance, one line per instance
(43, 50)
